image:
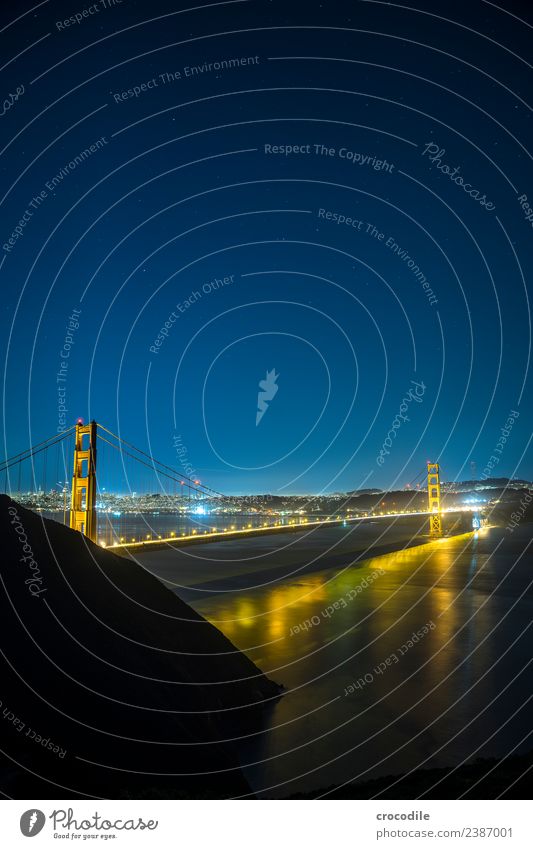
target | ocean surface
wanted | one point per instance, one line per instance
(413, 659)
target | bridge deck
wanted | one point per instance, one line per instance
(239, 564)
(200, 538)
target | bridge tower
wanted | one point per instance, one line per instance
(83, 505)
(435, 521)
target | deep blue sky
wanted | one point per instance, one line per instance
(181, 192)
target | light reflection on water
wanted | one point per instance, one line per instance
(428, 708)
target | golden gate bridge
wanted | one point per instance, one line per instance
(92, 442)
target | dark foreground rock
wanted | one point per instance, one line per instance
(111, 686)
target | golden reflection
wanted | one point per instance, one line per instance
(373, 601)
(277, 627)
(245, 612)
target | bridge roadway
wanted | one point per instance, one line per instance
(305, 525)
(246, 561)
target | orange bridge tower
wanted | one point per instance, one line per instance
(83, 505)
(435, 521)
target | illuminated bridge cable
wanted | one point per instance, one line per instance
(36, 449)
(173, 477)
(51, 439)
(203, 487)
(418, 478)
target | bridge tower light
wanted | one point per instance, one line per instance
(435, 521)
(83, 504)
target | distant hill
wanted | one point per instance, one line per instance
(111, 686)
(356, 492)
(487, 483)
(485, 778)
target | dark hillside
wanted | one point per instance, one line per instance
(101, 663)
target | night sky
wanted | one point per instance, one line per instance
(334, 192)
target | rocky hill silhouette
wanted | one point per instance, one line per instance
(111, 685)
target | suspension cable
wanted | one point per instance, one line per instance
(416, 478)
(36, 449)
(159, 463)
(150, 466)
